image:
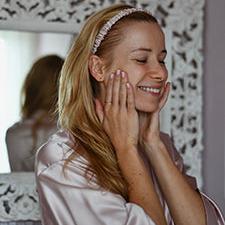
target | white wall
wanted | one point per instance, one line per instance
(214, 101)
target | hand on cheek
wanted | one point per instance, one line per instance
(151, 134)
(165, 95)
(118, 114)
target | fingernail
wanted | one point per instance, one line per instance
(128, 85)
(123, 74)
(118, 72)
(111, 76)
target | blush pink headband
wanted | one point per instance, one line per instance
(107, 26)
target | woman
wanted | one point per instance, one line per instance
(39, 100)
(110, 164)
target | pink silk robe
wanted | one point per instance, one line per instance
(70, 199)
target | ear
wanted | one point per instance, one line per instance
(96, 67)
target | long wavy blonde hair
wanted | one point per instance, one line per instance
(78, 89)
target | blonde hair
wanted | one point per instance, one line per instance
(77, 92)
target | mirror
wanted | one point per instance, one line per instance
(18, 51)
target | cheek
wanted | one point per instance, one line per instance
(134, 75)
(133, 81)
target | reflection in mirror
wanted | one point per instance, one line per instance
(18, 52)
(38, 121)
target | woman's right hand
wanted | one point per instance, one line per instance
(118, 115)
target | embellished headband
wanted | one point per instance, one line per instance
(107, 26)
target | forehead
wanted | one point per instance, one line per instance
(142, 35)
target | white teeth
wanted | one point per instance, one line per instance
(149, 89)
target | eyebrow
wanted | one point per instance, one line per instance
(148, 50)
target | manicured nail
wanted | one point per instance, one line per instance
(111, 76)
(128, 85)
(118, 72)
(123, 74)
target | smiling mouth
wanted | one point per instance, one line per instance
(150, 89)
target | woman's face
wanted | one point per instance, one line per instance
(141, 54)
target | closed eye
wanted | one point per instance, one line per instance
(142, 61)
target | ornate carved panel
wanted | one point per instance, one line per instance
(184, 19)
(18, 197)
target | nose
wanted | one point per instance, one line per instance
(159, 73)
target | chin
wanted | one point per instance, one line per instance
(147, 108)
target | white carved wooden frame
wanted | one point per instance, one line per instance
(184, 19)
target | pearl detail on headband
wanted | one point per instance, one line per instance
(107, 26)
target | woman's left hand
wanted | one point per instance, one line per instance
(150, 135)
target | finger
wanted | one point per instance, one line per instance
(130, 97)
(99, 110)
(116, 88)
(165, 95)
(123, 90)
(109, 87)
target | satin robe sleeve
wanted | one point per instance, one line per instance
(213, 213)
(68, 198)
